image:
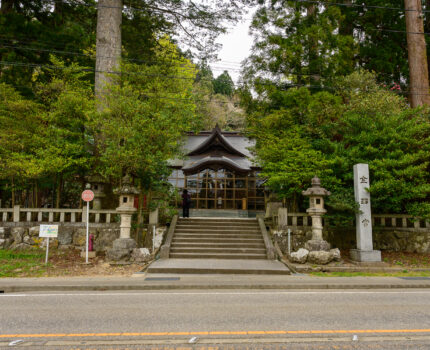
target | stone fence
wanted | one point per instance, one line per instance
(18, 214)
(390, 232)
(19, 227)
(382, 221)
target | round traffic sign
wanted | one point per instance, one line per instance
(87, 195)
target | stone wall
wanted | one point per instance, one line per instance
(23, 235)
(414, 240)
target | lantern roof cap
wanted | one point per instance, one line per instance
(316, 189)
(126, 187)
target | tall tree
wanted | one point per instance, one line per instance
(108, 44)
(418, 68)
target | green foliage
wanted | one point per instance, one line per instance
(297, 43)
(317, 134)
(377, 128)
(30, 262)
(146, 118)
(69, 101)
(289, 162)
(21, 126)
(223, 84)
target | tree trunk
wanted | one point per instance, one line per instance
(314, 66)
(58, 191)
(347, 26)
(427, 26)
(418, 68)
(13, 192)
(108, 46)
(6, 6)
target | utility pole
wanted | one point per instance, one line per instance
(108, 45)
(417, 55)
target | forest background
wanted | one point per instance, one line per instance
(326, 86)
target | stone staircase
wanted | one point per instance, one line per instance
(215, 245)
(218, 238)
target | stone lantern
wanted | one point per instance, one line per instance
(98, 187)
(123, 246)
(316, 210)
(126, 205)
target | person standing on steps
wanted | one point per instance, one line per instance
(186, 202)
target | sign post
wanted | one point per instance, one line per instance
(48, 231)
(87, 196)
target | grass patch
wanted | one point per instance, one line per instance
(403, 273)
(14, 263)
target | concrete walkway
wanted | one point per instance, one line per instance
(178, 282)
(219, 266)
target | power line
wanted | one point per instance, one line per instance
(328, 3)
(55, 51)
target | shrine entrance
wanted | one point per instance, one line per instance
(221, 189)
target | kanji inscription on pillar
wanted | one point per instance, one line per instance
(362, 197)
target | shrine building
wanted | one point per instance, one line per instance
(219, 173)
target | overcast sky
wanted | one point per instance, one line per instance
(236, 47)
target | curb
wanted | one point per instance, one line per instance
(62, 288)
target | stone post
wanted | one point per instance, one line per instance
(124, 245)
(153, 217)
(364, 251)
(316, 210)
(282, 219)
(16, 210)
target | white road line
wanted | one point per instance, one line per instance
(209, 293)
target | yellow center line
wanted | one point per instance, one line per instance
(146, 334)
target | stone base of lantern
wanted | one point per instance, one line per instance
(365, 255)
(317, 245)
(121, 250)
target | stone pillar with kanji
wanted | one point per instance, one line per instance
(364, 251)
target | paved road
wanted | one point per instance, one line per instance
(381, 319)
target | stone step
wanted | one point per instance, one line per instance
(218, 240)
(216, 220)
(218, 224)
(216, 256)
(218, 266)
(215, 231)
(241, 250)
(218, 245)
(205, 236)
(216, 228)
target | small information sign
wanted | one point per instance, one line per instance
(48, 231)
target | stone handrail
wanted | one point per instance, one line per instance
(382, 221)
(18, 214)
(165, 248)
(267, 241)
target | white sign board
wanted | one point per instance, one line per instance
(48, 231)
